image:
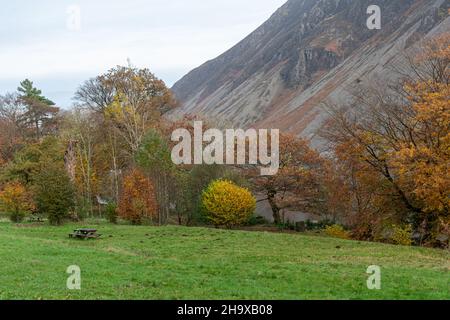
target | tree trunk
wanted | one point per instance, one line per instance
(273, 205)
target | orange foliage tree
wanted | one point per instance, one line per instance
(297, 183)
(425, 164)
(356, 194)
(16, 201)
(397, 138)
(137, 200)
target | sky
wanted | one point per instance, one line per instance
(58, 44)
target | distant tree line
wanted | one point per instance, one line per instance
(385, 176)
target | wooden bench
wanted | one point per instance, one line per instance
(85, 234)
(36, 219)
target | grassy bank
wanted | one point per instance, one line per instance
(196, 263)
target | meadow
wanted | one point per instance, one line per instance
(171, 262)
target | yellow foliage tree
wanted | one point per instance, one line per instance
(227, 204)
(425, 164)
(16, 201)
(398, 136)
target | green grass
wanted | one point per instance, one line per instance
(199, 263)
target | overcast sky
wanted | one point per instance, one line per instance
(43, 41)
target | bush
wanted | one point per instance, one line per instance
(402, 235)
(138, 200)
(111, 212)
(16, 201)
(256, 221)
(318, 225)
(288, 225)
(55, 194)
(227, 204)
(337, 231)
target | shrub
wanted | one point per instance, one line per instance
(287, 225)
(111, 212)
(16, 201)
(402, 235)
(337, 231)
(138, 200)
(256, 221)
(55, 194)
(228, 204)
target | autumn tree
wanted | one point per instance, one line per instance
(82, 136)
(131, 99)
(399, 133)
(154, 157)
(95, 94)
(12, 126)
(111, 161)
(297, 183)
(137, 201)
(16, 200)
(187, 182)
(423, 160)
(423, 164)
(355, 194)
(178, 188)
(124, 105)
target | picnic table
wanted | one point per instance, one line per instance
(85, 234)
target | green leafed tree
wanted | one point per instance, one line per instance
(54, 194)
(154, 157)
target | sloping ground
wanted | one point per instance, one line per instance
(307, 51)
(197, 263)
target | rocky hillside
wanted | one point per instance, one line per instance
(307, 51)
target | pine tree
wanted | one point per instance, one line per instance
(27, 90)
(40, 110)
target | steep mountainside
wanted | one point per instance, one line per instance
(307, 51)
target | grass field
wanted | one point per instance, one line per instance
(198, 263)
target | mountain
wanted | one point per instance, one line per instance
(309, 50)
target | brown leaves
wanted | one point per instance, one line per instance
(137, 200)
(393, 148)
(297, 183)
